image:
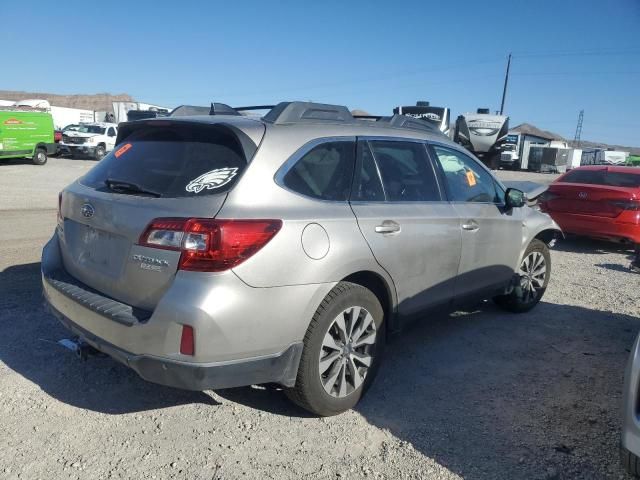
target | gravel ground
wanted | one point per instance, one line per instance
(476, 395)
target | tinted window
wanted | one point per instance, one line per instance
(367, 185)
(467, 181)
(174, 161)
(111, 132)
(407, 174)
(585, 176)
(603, 177)
(618, 179)
(325, 172)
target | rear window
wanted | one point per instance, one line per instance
(173, 161)
(90, 129)
(603, 177)
(325, 172)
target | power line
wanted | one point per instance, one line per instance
(577, 53)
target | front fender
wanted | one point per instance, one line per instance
(538, 225)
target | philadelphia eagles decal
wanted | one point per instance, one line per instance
(213, 179)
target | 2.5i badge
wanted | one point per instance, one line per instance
(211, 180)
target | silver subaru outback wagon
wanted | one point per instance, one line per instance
(218, 251)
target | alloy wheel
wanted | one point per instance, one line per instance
(347, 351)
(533, 272)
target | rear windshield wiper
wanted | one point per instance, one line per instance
(121, 186)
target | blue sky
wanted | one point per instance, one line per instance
(568, 55)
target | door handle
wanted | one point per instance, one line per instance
(388, 226)
(470, 226)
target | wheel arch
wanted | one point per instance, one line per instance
(382, 289)
(549, 235)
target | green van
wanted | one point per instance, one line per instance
(26, 134)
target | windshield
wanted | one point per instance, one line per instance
(172, 161)
(90, 129)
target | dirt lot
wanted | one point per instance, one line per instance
(480, 395)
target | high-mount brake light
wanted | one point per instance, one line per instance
(208, 245)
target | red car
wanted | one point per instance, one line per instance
(597, 201)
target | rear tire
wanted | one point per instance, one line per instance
(39, 156)
(343, 348)
(534, 271)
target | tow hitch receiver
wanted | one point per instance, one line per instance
(81, 348)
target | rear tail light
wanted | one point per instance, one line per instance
(187, 341)
(210, 245)
(633, 205)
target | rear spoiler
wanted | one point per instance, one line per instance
(248, 137)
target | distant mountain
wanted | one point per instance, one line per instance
(98, 102)
(586, 144)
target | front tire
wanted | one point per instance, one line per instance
(534, 273)
(100, 152)
(39, 156)
(343, 347)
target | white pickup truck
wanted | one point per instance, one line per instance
(93, 139)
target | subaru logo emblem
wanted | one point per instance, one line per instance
(582, 195)
(87, 210)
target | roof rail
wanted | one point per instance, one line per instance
(297, 112)
(404, 121)
(311, 112)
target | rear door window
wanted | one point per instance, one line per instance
(406, 172)
(173, 161)
(325, 172)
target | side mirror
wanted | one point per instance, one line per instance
(515, 198)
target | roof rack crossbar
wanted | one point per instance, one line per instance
(368, 117)
(253, 107)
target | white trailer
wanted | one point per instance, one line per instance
(575, 158)
(613, 157)
(63, 116)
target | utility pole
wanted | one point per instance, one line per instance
(576, 138)
(506, 81)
